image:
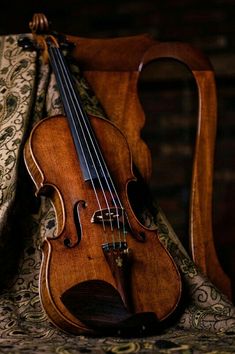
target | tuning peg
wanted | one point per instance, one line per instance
(26, 43)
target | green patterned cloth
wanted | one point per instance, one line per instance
(27, 94)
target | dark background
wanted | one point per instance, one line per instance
(166, 91)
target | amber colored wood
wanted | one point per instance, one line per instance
(155, 280)
(112, 67)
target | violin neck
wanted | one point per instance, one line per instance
(91, 160)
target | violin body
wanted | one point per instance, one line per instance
(104, 272)
(147, 281)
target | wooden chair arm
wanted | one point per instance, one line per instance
(201, 234)
(108, 62)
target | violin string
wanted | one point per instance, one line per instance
(86, 141)
(99, 156)
(60, 81)
(96, 149)
(104, 174)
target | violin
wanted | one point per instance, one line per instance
(105, 272)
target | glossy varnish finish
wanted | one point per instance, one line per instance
(104, 270)
(155, 282)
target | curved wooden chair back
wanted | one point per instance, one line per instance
(112, 67)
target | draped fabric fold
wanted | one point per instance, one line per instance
(27, 94)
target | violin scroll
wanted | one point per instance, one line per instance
(39, 23)
(39, 27)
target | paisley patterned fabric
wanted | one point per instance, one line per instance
(27, 94)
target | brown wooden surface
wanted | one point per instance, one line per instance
(112, 67)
